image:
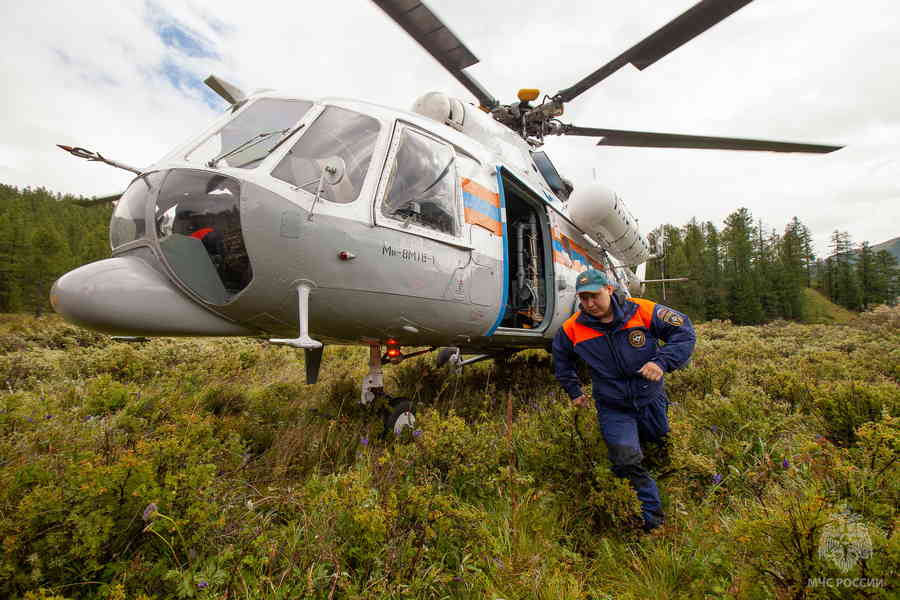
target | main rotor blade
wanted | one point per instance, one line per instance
(670, 36)
(645, 139)
(426, 28)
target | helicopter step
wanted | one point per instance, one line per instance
(303, 340)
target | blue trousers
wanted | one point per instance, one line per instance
(623, 431)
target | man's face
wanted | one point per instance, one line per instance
(596, 304)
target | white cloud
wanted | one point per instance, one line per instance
(92, 74)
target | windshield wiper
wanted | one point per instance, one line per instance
(285, 138)
(438, 179)
(244, 145)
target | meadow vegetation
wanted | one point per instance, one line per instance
(208, 469)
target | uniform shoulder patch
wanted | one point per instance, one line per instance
(669, 316)
(674, 319)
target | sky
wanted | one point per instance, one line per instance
(125, 78)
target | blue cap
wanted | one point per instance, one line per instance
(591, 280)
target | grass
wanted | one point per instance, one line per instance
(207, 469)
(819, 309)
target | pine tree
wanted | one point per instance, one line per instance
(867, 276)
(887, 278)
(844, 287)
(794, 257)
(740, 279)
(694, 289)
(714, 285)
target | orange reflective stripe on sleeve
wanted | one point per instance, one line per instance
(577, 332)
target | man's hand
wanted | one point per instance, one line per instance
(651, 371)
(579, 401)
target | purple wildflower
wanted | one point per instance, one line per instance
(203, 584)
(785, 463)
(29, 419)
(714, 429)
(150, 511)
(364, 441)
(717, 479)
(417, 433)
(48, 417)
(458, 579)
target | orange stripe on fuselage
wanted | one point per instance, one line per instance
(562, 258)
(478, 190)
(482, 220)
(579, 249)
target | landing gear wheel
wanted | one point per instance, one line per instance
(446, 355)
(398, 416)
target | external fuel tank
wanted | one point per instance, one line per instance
(601, 214)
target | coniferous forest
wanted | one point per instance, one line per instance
(751, 275)
(43, 235)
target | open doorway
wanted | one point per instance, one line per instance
(529, 305)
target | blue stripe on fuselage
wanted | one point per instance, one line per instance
(504, 295)
(475, 203)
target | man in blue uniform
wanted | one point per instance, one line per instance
(618, 341)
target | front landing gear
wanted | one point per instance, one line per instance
(398, 413)
(398, 416)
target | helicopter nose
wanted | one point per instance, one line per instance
(126, 296)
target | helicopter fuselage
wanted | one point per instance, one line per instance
(402, 227)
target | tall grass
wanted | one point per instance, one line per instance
(206, 468)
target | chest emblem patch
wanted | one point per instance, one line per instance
(637, 338)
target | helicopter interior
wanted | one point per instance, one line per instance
(198, 224)
(527, 232)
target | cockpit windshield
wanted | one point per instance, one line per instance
(247, 139)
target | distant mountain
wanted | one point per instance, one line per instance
(892, 246)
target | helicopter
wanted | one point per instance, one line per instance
(314, 222)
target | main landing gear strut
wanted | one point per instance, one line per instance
(399, 413)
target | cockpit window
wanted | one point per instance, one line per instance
(129, 220)
(337, 137)
(245, 140)
(422, 187)
(198, 224)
